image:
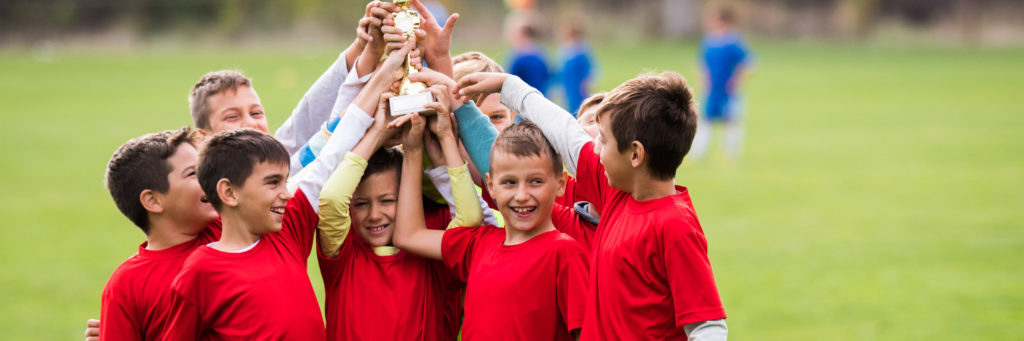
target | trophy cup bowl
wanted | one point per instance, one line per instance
(412, 96)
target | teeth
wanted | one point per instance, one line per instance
(277, 210)
(522, 210)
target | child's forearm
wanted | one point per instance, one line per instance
(561, 130)
(477, 134)
(347, 92)
(713, 330)
(467, 205)
(314, 108)
(335, 198)
(311, 179)
(410, 201)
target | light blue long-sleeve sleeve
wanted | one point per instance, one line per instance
(477, 135)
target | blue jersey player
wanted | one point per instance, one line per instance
(725, 60)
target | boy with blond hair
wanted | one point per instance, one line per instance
(650, 277)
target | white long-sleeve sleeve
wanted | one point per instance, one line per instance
(558, 125)
(314, 108)
(711, 330)
(439, 177)
(346, 93)
(350, 130)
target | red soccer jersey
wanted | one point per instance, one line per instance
(261, 293)
(397, 297)
(136, 302)
(649, 273)
(530, 291)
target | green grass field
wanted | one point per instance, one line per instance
(877, 198)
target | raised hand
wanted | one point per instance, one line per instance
(376, 14)
(479, 84)
(438, 40)
(442, 124)
(413, 138)
(432, 78)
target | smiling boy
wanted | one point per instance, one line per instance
(152, 179)
(252, 282)
(649, 253)
(375, 291)
(525, 281)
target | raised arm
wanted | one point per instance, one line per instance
(558, 125)
(352, 127)
(411, 233)
(335, 222)
(467, 208)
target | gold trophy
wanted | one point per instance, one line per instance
(412, 96)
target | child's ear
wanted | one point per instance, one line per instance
(151, 201)
(227, 193)
(487, 180)
(562, 179)
(638, 154)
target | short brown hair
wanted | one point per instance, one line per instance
(232, 155)
(659, 112)
(211, 84)
(593, 100)
(141, 164)
(473, 62)
(526, 139)
(384, 159)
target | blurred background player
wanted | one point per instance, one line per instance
(725, 61)
(577, 64)
(527, 59)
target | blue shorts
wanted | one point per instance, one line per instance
(723, 109)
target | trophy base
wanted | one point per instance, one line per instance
(408, 104)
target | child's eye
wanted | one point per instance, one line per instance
(360, 204)
(231, 118)
(191, 174)
(508, 182)
(257, 113)
(536, 181)
(388, 201)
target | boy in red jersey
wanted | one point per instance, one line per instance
(524, 282)
(650, 277)
(375, 291)
(252, 282)
(152, 179)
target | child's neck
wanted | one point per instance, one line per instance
(646, 187)
(515, 237)
(164, 234)
(236, 234)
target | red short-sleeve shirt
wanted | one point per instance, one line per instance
(261, 293)
(396, 297)
(530, 291)
(649, 273)
(136, 302)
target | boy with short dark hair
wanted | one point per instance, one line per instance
(649, 253)
(152, 179)
(252, 283)
(374, 290)
(523, 281)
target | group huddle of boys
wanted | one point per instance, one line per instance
(229, 231)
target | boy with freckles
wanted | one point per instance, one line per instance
(524, 281)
